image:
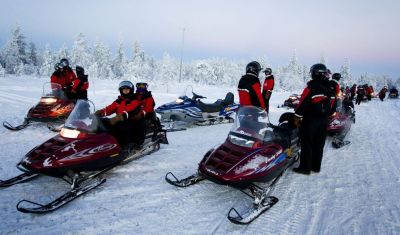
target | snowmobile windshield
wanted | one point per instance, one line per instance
(82, 118)
(251, 127)
(53, 91)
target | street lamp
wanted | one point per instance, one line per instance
(183, 42)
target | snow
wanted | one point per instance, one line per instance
(356, 192)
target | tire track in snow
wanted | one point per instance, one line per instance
(10, 97)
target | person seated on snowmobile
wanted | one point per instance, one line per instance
(146, 99)
(128, 113)
(347, 105)
(80, 84)
(68, 76)
(335, 90)
(58, 78)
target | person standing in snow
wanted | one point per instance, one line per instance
(268, 86)
(335, 90)
(353, 91)
(311, 114)
(360, 94)
(249, 87)
(382, 93)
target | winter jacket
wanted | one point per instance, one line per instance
(315, 100)
(146, 102)
(268, 83)
(58, 78)
(249, 89)
(80, 83)
(125, 106)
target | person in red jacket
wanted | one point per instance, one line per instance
(146, 100)
(127, 111)
(80, 85)
(67, 73)
(311, 114)
(249, 87)
(268, 86)
(335, 90)
(58, 78)
(382, 93)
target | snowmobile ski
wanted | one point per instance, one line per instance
(338, 143)
(193, 179)
(17, 179)
(16, 128)
(257, 209)
(61, 201)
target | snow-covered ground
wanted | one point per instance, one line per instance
(356, 192)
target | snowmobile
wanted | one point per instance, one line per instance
(291, 102)
(79, 154)
(255, 151)
(187, 111)
(54, 106)
(339, 124)
(393, 93)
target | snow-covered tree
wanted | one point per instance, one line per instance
(81, 52)
(63, 52)
(101, 66)
(14, 53)
(119, 63)
(49, 60)
(345, 72)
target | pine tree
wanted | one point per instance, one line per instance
(63, 52)
(14, 53)
(81, 52)
(119, 63)
(101, 66)
(49, 60)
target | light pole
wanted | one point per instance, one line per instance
(180, 65)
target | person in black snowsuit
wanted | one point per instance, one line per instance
(360, 94)
(311, 114)
(353, 90)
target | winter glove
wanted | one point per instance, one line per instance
(297, 121)
(116, 119)
(98, 113)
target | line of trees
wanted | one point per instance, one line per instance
(22, 58)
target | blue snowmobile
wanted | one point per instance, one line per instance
(185, 111)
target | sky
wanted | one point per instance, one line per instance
(365, 33)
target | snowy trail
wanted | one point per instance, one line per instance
(356, 192)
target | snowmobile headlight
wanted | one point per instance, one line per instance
(68, 133)
(292, 98)
(179, 100)
(48, 100)
(336, 122)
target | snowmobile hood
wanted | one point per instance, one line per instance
(230, 164)
(60, 152)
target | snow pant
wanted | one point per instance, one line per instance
(369, 97)
(352, 96)
(359, 99)
(312, 139)
(381, 97)
(124, 132)
(140, 131)
(266, 101)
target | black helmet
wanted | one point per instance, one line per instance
(318, 71)
(64, 62)
(253, 67)
(79, 70)
(126, 84)
(336, 76)
(141, 87)
(268, 71)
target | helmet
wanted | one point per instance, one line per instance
(336, 76)
(57, 66)
(79, 70)
(253, 67)
(268, 71)
(318, 71)
(126, 84)
(64, 62)
(141, 87)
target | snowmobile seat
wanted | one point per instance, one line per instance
(217, 105)
(286, 130)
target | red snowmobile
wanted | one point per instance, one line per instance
(82, 151)
(255, 151)
(54, 106)
(291, 102)
(339, 124)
